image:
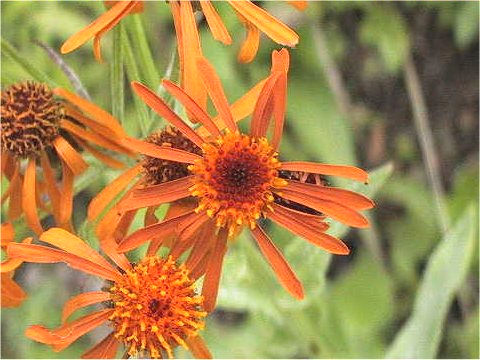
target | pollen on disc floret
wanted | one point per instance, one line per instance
(30, 118)
(234, 180)
(156, 307)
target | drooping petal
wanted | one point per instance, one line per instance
(44, 254)
(249, 48)
(313, 234)
(335, 210)
(7, 234)
(272, 27)
(106, 196)
(12, 264)
(215, 90)
(280, 266)
(72, 244)
(15, 190)
(107, 160)
(158, 230)
(29, 202)
(201, 248)
(345, 197)
(62, 337)
(349, 172)
(82, 300)
(66, 205)
(81, 37)
(12, 294)
(97, 113)
(105, 349)
(195, 111)
(198, 348)
(162, 109)
(52, 189)
(214, 270)
(157, 194)
(70, 156)
(215, 23)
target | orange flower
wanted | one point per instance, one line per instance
(114, 225)
(34, 126)
(12, 294)
(151, 306)
(238, 179)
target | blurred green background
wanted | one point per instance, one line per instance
(409, 288)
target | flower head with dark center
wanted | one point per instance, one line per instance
(236, 181)
(39, 123)
(151, 306)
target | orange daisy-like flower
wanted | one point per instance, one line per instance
(149, 171)
(254, 18)
(239, 179)
(35, 126)
(152, 306)
(12, 295)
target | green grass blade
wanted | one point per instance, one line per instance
(9, 51)
(116, 78)
(445, 272)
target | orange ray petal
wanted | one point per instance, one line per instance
(250, 45)
(162, 109)
(316, 221)
(335, 210)
(52, 189)
(314, 235)
(272, 27)
(109, 247)
(70, 156)
(160, 152)
(7, 234)
(260, 117)
(280, 104)
(158, 230)
(107, 160)
(97, 113)
(198, 348)
(7, 164)
(90, 136)
(44, 254)
(82, 300)
(298, 4)
(280, 60)
(12, 264)
(188, 229)
(106, 196)
(73, 245)
(201, 248)
(66, 205)
(81, 37)
(15, 190)
(215, 90)
(345, 197)
(214, 271)
(12, 294)
(105, 349)
(215, 23)
(157, 194)
(29, 202)
(191, 82)
(68, 333)
(349, 172)
(194, 109)
(280, 266)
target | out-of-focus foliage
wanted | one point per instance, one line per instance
(405, 283)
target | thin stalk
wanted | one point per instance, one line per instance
(145, 57)
(9, 51)
(427, 145)
(117, 76)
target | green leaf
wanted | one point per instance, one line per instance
(465, 28)
(444, 274)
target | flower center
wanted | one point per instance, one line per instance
(156, 307)
(30, 118)
(157, 171)
(235, 178)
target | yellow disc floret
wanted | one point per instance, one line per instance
(234, 180)
(156, 307)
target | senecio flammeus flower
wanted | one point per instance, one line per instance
(238, 179)
(152, 306)
(39, 124)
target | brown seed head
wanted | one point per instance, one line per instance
(30, 118)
